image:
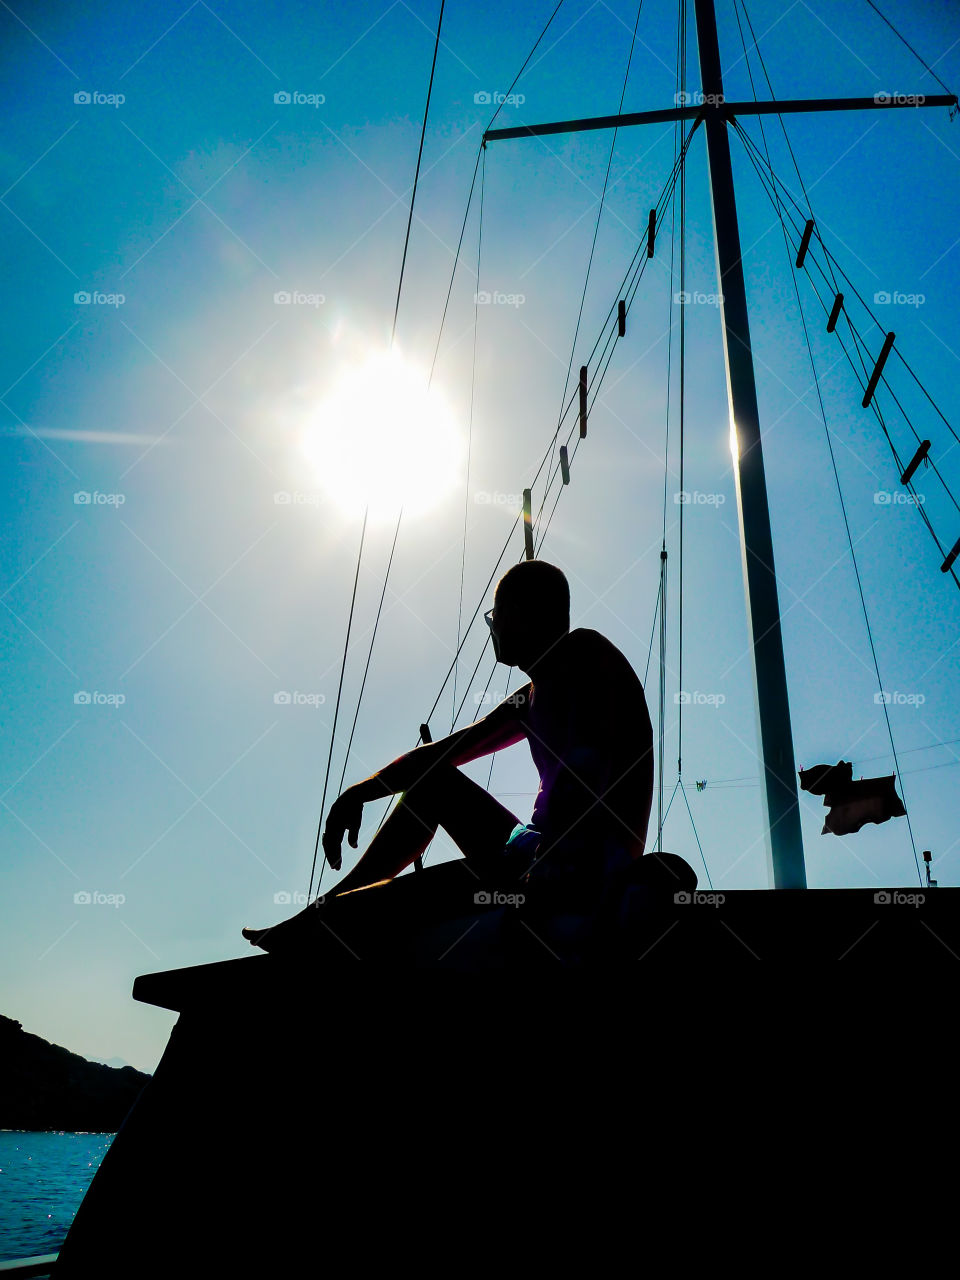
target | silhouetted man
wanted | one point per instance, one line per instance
(585, 716)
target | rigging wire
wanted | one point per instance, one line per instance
(771, 184)
(751, 149)
(480, 150)
(662, 592)
(393, 334)
(683, 312)
(836, 474)
(628, 290)
(747, 779)
(786, 136)
(596, 225)
(832, 262)
(683, 792)
(363, 683)
(416, 176)
(856, 336)
(653, 627)
(909, 46)
(473, 385)
(343, 666)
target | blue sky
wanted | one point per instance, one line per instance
(185, 588)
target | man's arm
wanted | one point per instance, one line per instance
(501, 728)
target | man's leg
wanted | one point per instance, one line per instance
(477, 823)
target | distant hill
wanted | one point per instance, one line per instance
(43, 1086)
(111, 1062)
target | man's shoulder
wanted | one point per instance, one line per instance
(593, 645)
(607, 663)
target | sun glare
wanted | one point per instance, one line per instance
(380, 438)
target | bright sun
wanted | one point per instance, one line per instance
(381, 438)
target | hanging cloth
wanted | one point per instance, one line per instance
(856, 803)
(824, 777)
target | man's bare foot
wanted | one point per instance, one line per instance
(255, 936)
(279, 935)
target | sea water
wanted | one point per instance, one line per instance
(43, 1178)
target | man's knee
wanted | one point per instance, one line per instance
(433, 787)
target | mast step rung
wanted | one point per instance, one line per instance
(527, 525)
(835, 313)
(564, 465)
(805, 242)
(878, 370)
(915, 461)
(948, 563)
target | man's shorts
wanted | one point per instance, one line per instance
(520, 850)
(523, 836)
(586, 872)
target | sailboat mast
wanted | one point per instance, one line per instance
(784, 845)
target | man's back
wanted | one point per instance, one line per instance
(586, 719)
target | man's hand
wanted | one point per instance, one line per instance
(345, 815)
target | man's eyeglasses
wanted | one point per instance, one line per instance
(488, 617)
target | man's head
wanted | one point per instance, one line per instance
(531, 612)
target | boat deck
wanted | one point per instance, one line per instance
(420, 1043)
(432, 922)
